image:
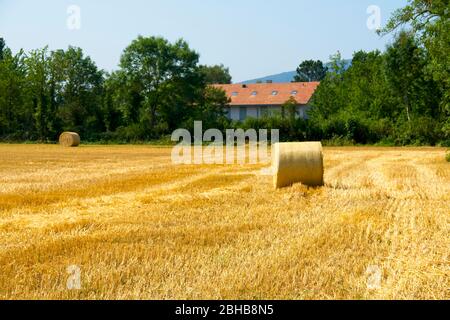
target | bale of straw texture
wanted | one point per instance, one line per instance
(69, 139)
(297, 162)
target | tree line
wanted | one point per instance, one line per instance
(396, 97)
(399, 96)
(158, 88)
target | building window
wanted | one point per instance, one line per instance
(254, 93)
(234, 94)
(294, 93)
(274, 93)
(242, 113)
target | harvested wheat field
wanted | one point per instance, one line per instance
(139, 227)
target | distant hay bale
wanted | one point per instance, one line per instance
(69, 139)
(297, 162)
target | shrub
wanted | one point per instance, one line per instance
(421, 131)
(338, 141)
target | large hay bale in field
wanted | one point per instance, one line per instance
(69, 139)
(297, 162)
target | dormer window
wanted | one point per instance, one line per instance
(234, 94)
(274, 93)
(254, 93)
(294, 93)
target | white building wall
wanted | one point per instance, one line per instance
(252, 112)
(258, 112)
(234, 113)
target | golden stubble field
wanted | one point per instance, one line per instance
(139, 227)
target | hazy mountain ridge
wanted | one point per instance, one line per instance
(285, 76)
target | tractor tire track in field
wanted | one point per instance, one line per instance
(411, 185)
(223, 232)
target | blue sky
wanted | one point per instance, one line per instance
(252, 37)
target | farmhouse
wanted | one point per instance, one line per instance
(260, 99)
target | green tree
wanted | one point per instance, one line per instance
(15, 121)
(430, 21)
(310, 71)
(330, 95)
(113, 115)
(405, 71)
(165, 79)
(217, 74)
(211, 109)
(2, 48)
(76, 89)
(38, 75)
(158, 88)
(125, 95)
(368, 90)
(289, 108)
(380, 97)
(354, 103)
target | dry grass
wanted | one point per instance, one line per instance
(141, 228)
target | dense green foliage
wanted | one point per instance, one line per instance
(430, 23)
(400, 96)
(158, 88)
(311, 70)
(216, 74)
(44, 93)
(397, 97)
(382, 98)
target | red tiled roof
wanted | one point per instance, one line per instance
(264, 93)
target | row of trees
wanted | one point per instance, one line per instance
(159, 87)
(399, 97)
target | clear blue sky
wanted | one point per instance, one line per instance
(252, 37)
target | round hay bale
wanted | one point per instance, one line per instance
(297, 162)
(69, 139)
